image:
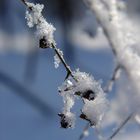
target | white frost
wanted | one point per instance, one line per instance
(57, 60)
(44, 30)
(93, 109)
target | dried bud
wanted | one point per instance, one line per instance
(43, 43)
(89, 94)
(64, 123)
(84, 117)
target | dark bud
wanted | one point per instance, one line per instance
(30, 8)
(78, 93)
(89, 94)
(64, 123)
(84, 117)
(43, 43)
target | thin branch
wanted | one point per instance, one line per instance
(121, 126)
(24, 2)
(68, 69)
(112, 80)
(84, 131)
(25, 94)
(89, 4)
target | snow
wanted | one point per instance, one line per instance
(57, 60)
(95, 102)
(44, 30)
(95, 110)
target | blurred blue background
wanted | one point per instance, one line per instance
(29, 101)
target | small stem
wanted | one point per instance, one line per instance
(85, 129)
(111, 82)
(68, 69)
(121, 126)
(24, 2)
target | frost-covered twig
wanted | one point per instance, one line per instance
(69, 71)
(76, 84)
(42, 27)
(107, 89)
(119, 36)
(118, 30)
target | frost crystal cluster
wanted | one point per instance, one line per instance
(95, 103)
(44, 30)
(57, 60)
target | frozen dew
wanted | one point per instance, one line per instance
(95, 102)
(94, 110)
(57, 60)
(33, 15)
(44, 30)
(86, 86)
(67, 120)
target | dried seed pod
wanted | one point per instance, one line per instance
(64, 123)
(43, 43)
(84, 117)
(89, 94)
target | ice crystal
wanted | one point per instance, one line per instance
(95, 110)
(44, 30)
(57, 60)
(95, 102)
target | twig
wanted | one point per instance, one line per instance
(114, 77)
(121, 126)
(68, 69)
(84, 130)
(88, 4)
(27, 95)
(107, 89)
(24, 2)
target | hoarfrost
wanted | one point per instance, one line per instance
(57, 60)
(44, 30)
(95, 102)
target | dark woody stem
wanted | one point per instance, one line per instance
(68, 69)
(24, 2)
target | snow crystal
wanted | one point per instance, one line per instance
(68, 95)
(94, 110)
(57, 60)
(44, 30)
(86, 133)
(85, 86)
(34, 15)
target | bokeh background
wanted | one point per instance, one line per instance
(29, 101)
